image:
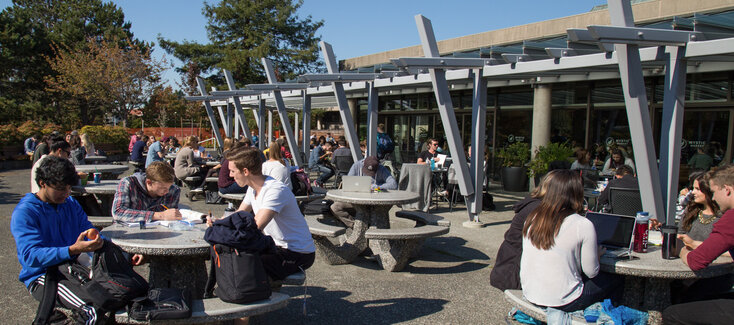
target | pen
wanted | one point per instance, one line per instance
(164, 206)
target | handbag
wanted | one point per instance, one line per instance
(240, 276)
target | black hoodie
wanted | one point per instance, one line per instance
(506, 272)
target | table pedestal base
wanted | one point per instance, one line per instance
(647, 294)
(353, 242)
(393, 255)
(184, 272)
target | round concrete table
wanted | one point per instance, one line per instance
(104, 191)
(176, 257)
(648, 277)
(108, 171)
(95, 159)
(212, 163)
(372, 209)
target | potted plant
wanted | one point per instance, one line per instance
(514, 172)
(544, 156)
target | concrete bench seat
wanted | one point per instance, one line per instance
(234, 197)
(319, 228)
(514, 297)
(192, 179)
(424, 218)
(395, 246)
(212, 179)
(100, 222)
(215, 310)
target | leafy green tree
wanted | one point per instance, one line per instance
(28, 29)
(241, 32)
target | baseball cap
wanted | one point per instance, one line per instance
(370, 166)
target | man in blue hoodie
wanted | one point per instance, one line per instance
(50, 228)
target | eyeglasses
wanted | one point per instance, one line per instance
(66, 188)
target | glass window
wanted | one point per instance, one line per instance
(389, 103)
(705, 129)
(571, 124)
(410, 102)
(608, 93)
(516, 99)
(514, 126)
(707, 91)
(609, 127)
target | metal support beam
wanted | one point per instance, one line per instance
(285, 123)
(306, 143)
(341, 99)
(445, 107)
(638, 114)
(672, 129)
(270, 128)
(479, 125)
(260, 115)
(224, 119)
(372, 99)
(209, 112)
(238, 107)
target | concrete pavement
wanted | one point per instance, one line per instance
(447, 284)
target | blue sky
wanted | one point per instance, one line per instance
(355, 28)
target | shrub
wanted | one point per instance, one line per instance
(545, 155)
(515, 155)
(30, 128)
(10, 136)
(116, 135)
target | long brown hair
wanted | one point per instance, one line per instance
(275, 153)
(693, 208)
(564, 196)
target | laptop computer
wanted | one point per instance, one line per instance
(614, 232)
(361, 184)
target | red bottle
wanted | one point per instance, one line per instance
(642, 224)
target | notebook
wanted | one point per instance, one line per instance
(357, 184)
(614, 232)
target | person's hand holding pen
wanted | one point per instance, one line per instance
(167, 214)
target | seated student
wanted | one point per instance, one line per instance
(226, 183)
(319, 160)
(617, 160)
(506, 271)
(624, 177)
(29, 145)
(699, 255)
(276, 167)
(50, 228)
(369, 166)
(700, 160)
(276, 214)
(559, 266)
(155, 152)
(138, 148)
(186, 165)
(43, 148)
(583, 160)
(78, 152)
(147, 196)
(427, 155)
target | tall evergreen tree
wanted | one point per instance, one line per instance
(241, 32)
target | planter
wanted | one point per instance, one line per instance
(514, 179)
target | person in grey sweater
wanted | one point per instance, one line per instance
(186, 165)
(369, 166)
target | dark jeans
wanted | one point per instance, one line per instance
(719, 311)
(604, 285)
(286, 262)
(326, 173)
(234, 188)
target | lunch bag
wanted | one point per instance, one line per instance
(240, 276)
(162, 303)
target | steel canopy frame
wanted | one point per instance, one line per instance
(240, 117)
(209, 112)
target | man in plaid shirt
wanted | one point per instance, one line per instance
(148, 196)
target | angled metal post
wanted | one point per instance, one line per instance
(261, 123)
(306, 143)
(372, 99)
(283, 113)
(341, 100)
(230, 121)
(638, 114)
(240, 114)
(209, 111)
(672, 128)
(295, 131)
(445, 106)
(270, 128)
(479, 125)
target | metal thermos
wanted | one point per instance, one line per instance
(642, 225)
(670, 245)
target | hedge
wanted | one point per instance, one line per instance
(115, 135)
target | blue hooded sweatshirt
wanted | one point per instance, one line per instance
(43, 233)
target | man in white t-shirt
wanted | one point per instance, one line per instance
(276, 214)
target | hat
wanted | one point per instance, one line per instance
(370, 166)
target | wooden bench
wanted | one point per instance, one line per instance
(215, 310)
(423, 218)
(100, 222)
(515, 298)
(395, 246)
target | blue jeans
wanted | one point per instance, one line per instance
(234, 188)
(326, 173)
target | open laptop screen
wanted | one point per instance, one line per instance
(612, 229)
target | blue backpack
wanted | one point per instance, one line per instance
(385, 145)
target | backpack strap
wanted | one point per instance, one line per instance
(46, 307)
(212, 279)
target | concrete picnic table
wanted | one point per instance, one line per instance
(176, 257)
(95, 159)
(104, 191)
(372, 209)
(108, 171)
(212, 163)
(648, 277)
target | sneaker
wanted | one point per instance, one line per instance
(442, 193)
(198, 190)
(316, 183)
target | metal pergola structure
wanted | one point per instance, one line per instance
(598, 52)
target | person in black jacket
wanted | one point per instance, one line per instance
(624, 177)
(506, 272)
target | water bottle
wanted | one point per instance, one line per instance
(642, 226)
(433, 164)
(229, 210)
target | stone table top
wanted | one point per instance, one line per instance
(158, 240)
(212, 163)
(391, 197)
(96, 158)
(104, 187)
(112, 169)
(652, 265)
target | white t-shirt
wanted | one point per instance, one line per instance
(278, 171)
(34, 185)
(288, 228)
(553, 277)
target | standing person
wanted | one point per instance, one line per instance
(134, 138)
(559, 266)
(49, 228)
(319, 160)
(255, 139)
(385, 145)
(88, 145)
(276, 214)
(59, 148)
(617, 160)
(382, 178)
(699, 256)
(429, 154)
(30, 145)
(155, 152)
(147, 196)
(138, 149)
(276, 167)
(186, 165)
(43, 148)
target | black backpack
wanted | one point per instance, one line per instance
(488, 202)
(162, 303)
(318, 207)
(300, 183)
(239, 276)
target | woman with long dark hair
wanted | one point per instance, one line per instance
(559, 266)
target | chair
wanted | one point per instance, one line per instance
(625, 201)
(342, 164)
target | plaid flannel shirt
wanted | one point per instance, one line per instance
(133, 203)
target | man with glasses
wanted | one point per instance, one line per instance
(58, 148)
(426, 156)
(147, 196)
(49, 228)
